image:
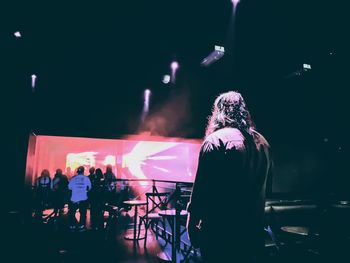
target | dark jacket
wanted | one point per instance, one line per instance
(229, 191)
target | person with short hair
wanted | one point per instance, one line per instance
(79, 185)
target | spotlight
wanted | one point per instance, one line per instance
(33, 82)
(213, 56)
(17, 34)
(235, 2)
(174, 65)
(147, 95)
(166, 79)
(306, 67)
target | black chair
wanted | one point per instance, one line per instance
(155, 202)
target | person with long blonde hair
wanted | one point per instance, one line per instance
(228, 198)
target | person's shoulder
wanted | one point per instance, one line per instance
(260, 138)
(224, 135)
(209, 143)
(73, 177)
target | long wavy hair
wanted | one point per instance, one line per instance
(230, 110)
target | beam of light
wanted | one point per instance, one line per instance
(33, 81)
(147, 95)
(231, 30)
(164, 157)
(174, 66)
(135, 168)
(235, 3)
(147, 148)
(161, 169)
(146, 99)
(142, 151)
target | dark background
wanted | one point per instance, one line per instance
(94, 61)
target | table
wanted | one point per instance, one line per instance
(173, 217)
(134, 203)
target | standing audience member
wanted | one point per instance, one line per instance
(96, 198)
(59, 191)
(91, 172)
(79, 185)
(42, 190)
(236, 152)
(110, 184)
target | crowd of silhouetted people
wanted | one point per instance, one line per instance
(95, 191)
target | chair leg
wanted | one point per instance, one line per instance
(164, 234)
(139, 230)
(147, 224)
(156, 229)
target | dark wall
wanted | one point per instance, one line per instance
(102, 57)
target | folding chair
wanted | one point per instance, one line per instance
(155, 202)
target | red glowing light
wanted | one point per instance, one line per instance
(135, 157)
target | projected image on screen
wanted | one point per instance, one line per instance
(136, 158)
(160, 160)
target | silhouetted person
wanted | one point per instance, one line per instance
(59, 191)
(42, 190)
(110, 184)
(91, 172)
(96, 198)
(226, 217)
(79, 185)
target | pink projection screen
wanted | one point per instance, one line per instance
(135, 157)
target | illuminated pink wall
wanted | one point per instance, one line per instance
(133, 157)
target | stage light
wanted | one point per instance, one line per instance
(147, 94)
(300, 71)
(218, 53)
(235, 2)
(166, 79)
(17, 34)
(306, 67)
(174, 65)
(33, 81)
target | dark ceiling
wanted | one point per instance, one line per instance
(94, 60)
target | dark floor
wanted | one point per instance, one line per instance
(31, 240)
(52, 241)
